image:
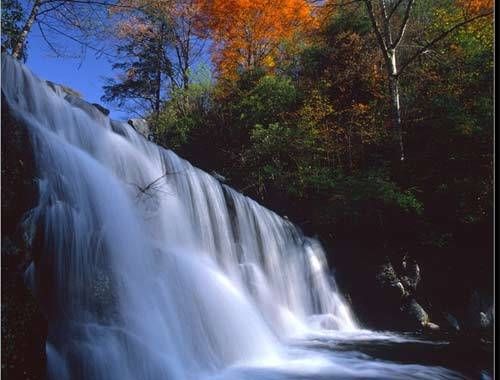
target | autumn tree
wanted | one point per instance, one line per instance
(247, 34)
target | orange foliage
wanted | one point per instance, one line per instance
(476, 6)
(247, 33)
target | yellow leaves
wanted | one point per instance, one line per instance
(247, 33)
(268, 61)
(471, 37)
(361, 107)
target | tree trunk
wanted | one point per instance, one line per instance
(159, 67)
(19, 46)
(395, 104)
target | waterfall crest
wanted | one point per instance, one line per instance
(149, 268)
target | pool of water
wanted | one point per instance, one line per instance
(375, 355)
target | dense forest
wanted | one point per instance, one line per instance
(368, 123)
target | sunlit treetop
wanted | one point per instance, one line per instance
(247, 33)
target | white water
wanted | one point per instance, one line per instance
(149, 268)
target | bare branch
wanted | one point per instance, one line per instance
(391, 13)
(376, 29)
(385, 24)
(51, 46)
(404, 24)
(154, 185)
(88, 45)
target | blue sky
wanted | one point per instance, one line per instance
(83, 75)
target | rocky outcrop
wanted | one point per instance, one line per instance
(104, 110)
(397, 287)
(95, 111)
(76, 99)
(60, 87)
(24, 328)
(142, 126)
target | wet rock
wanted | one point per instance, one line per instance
(484, 320)
(432, 326)
(410, 276)
(24, 328)
(58, 88)
(117, 127)
(104, 110)
(415, 314)
(479, 311)
(142, 126)
(218, 177)
(324, 321)
(452, 321)
(87, 107)
(390, 283)
(103, 294)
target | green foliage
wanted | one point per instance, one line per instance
(186, 111)
(347, 21)
(144, 70)
(266, 101)
(311, 139)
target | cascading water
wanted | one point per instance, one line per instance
(149, 268)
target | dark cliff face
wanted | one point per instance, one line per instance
(24, 327)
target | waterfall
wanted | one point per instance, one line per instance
(147, 267)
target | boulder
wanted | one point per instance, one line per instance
(415, 314)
